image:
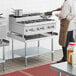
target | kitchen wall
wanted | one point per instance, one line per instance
(29, 6)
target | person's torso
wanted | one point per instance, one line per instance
(71, 14)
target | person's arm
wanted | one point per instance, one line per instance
(50, 12)
(45, 14)
(65, 11)
(59, 9)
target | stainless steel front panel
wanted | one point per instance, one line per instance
(16, 26)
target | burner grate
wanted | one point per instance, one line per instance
(33, 21)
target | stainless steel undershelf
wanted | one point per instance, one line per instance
(32, 51)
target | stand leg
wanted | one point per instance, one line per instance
(25, 55)
(4, 66)
(12, 50)
(38, 48)
(3, 58)
(59, 73)
(52, 55)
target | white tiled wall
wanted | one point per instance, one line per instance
(29, 6)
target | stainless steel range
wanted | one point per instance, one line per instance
(30, 24)
(31, 27)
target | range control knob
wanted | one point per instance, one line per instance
(38, 29)
(48, 27)
(42, 28)
(26, 30)
(31, 29)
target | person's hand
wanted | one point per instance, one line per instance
(45, 16)
(59, 16)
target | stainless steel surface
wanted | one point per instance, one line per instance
(29, 52)
(12, 49)
(31, 24)
(3, 58)
(2, 61)
(32, 51)
(3, 44)
(64, 67)
(30, 27)
(18, 12)
(2, 31)
(52, 54)
(32, 37)
(25, 52)
(2, 28)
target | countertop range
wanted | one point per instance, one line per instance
(30, 24)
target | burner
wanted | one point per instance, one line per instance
(34, 21)
(40, 20)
